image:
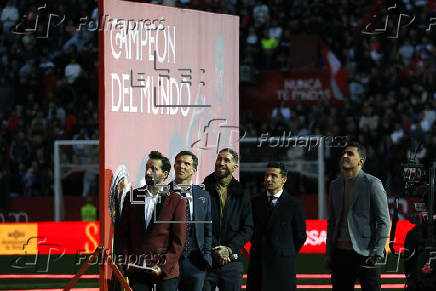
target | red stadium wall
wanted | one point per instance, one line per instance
(33, 209)
(83, 237)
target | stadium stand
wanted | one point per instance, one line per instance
(49, 86)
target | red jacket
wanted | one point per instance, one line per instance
(160, 243)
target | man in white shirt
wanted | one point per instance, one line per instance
(152, 246)
(197, 253)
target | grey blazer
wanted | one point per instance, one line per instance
(368, 215)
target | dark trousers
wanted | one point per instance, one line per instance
(227, 277)
(347, 266)
(192, 272)
(145, 282)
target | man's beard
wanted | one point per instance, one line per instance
(222, 174)
(149, 181)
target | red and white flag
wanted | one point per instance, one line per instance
(337, 72)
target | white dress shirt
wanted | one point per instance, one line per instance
(150, 203)
(277, 195)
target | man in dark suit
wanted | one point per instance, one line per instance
(232, 223)
(153, 243)
(358, 224)
(279, 234)
(196, 255)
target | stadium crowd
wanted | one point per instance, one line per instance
(49, 85)
(392, 104)
(49, 89)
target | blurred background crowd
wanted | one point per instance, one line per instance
(49, 86)
(48, 89)
(392, 104)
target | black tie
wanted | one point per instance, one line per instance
(272, 201)
(188, 243)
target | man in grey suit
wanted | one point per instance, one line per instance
(196, 255)
(358, 224)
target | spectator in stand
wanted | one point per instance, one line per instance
(392, 78)
(368, 118)
(252, 38)
(260, 13)
(397, 134)
(357, 90)
(406, 52)
(275, 30)
(416, 132)
(417, 151)
(9, 16)
(425, 49)
(426, 119)
(280, 117)
(46, 63)
(71, 120)
(20, 148)
(285, 42)
(72, 71)
(281, 111)
(269, 45)
(79, 39)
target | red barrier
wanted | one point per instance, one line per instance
(83, 237)
(49, 238)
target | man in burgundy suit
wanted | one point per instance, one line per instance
(149, 233)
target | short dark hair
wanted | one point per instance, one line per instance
(279, 165)
(166, 165)
(360, 148)
(232, 152)
(189, 153)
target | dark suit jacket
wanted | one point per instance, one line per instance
(202, 212)
(237, 222)
(160, 243)
(277, 238)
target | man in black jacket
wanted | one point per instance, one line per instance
(232, 223)
(279, 234)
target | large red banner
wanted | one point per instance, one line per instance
(169, 82)
(308, 85)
